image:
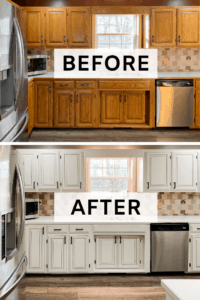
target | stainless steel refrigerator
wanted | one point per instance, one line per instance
(13, 74)
(13, 260)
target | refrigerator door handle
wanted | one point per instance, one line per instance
(22, 129)
(4, 295)
(21, 58)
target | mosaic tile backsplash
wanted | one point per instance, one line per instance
(169, 60)
(46, 200)
(178, 204)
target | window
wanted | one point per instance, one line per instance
(117, 31)
(113, 175)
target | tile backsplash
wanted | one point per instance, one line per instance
(169, 60)
(178, 204)
(46, 207)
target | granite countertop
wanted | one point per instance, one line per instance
(160, 75)
(114, 220)
(182, 289)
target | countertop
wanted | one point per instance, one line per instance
(160, 75)
(182, 289)
(114, 220)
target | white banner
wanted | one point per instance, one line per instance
(94, 63)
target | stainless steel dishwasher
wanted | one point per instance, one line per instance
(174, 103)
(169, 247)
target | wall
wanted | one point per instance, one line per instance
(46, 200)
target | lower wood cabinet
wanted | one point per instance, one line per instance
(31, 98)
(57, 253)
(79, 253)
(85, 108)
(197, 108)
(134, 107)
(63, 108)
(35, 249)
(111, 107)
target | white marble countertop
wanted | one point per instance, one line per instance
(114, 220)
(182, 289)
(160, 75)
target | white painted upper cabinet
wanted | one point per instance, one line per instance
(79, 253)
(72, 170)
(158, 171)
(35, 244)
(106, 254)
(48, 174)
(129, 252)
(27, 163)
(57, 253)
(184, 171)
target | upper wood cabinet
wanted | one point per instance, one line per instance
(188, 27)
(35, 27)
(163, 27)
(79, 27)
(56, 27)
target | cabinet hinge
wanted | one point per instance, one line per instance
(190, 265)
(196, 157)
(89, 265)
(170, 183)
(80, 185)
(196, 183)
(60, 157)
(140, 240)
(89, 240)
(190, 240)
(47, 241)
(95, 240)
(47, 266)
(61, 184)
(194, 96)
(37, 156)
(95, 261)
(45, 15)
(140, 261)
(170, 157)
(194, 120)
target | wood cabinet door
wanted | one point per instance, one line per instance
(111, 107)
(188, 27)
(63, 108)
(27, 162)
(56, 27)
(85, 110)
(158, 172)
(184, 171)
(71, 170)
(134, 107)
(79, 253)
(48, 163)
(79, 27)
(195, 253)
(57, 254)
(36, 249)
(163, 27)
(43, 104)
(31, 100)
(197, 106)
(129, 252)
(106, 254)
(35, 27)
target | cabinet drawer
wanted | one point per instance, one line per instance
(198, 84)
(79, 228)
(63, 85)
(57, 229)
(143, 84)
(195, 227)
(85, 84)
(121, 228)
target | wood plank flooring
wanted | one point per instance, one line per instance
(115, 135)
(96, 287)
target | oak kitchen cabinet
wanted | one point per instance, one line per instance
(31, 108)
(63, 108)
(170, 171)
(85, 108)
(35, 248)
(197, 104)
(52, 170)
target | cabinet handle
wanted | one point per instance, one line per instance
(147, 185)
(57, 229)
(120, 239)
(86, 38)
(34, 184)
(71, 99)
(80, 185)
(64, 84)
(57, 184)
(65, 240)
(179, 38)
(71, 240)
(124, 98)
(115, 239)
(77, 98)
(79, 228)
(41, 38)
(152, 38)
(64, 39)
(43, 230)
(174, 185)
(50, 89)
(198, 228)
(84, 84)
(120, 98)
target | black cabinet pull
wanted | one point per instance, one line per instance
(71, 240)
(115, 239)
(57, 184)
(79, 229)
(34, 184)
(65, 240)
(174, 185)
(63, 84)
(80, 185)
(153, 38)
(120, 239)
(56, 229)
(43, 230)
(147, 185)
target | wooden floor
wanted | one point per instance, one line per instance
(115, 135)
(96, 287)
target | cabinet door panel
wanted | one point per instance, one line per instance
(158, 170)
(56, 27)
(27, 162)
(71, 168)
(129, 252)
(79, 253)
(106, 252)
(63, 108)
(79, 27)
(48, 170)
(184, 168)
(197, 117)
(85, 109)
(195, 252)
(43, 105)
(163, 27)
(188, 33)
(36, 250)
(35, 27)
(57, 254)
(134, 107)
(111, 107)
